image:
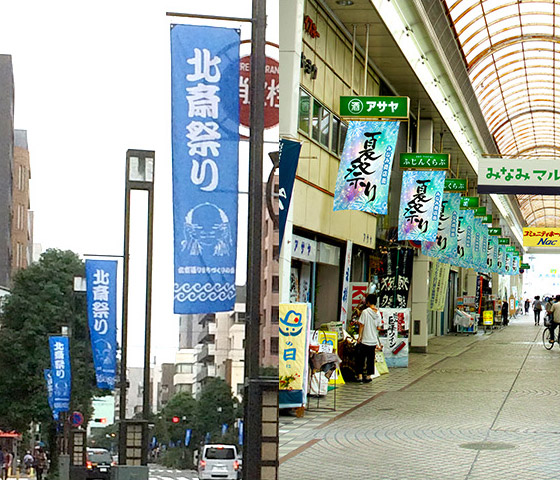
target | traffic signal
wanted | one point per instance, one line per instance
(100, 420)
(175, 419)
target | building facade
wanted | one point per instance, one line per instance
(22, 217)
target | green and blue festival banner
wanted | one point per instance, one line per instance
(446, 240)
(484, 246)
(101, 281)
(421, 197)
(490, 257)
(509, 261)
(515, 265)
(477, 251)
(47, 372)
(495, 254)
(464, 240)
(288, 157)
(501, 260)
(61, 373)
(205, 138)
(363, 177)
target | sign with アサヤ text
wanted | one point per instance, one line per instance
(515, 176)
(380, 107)
(541, 237)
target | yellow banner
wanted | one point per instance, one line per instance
(541, 237)
(488, 317)
(293, 345)
(328, 338)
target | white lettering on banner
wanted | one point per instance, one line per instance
(203, 101)
(273, 95)
(203, 136)
(101, 277)
(244, 90)
(203, 65)
(101, 292)
(198, 174)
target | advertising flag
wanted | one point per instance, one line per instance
(421, 198)
(508, 264)
(101, 280)
(205, 137)
(501, 260)
(446, 240)
(61, 375)
(288, 157)
(363, 177)
(464, 239)
(495, 254)
(515, 265)
(47, 372)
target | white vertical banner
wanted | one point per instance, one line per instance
(346, 284)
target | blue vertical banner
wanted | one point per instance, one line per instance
(101, 281)
(446, 240)
(365, 167)
(240, 433)
(495, 254)
(188, 436)
(205, 138)
(421, 198)
(61, 375)
(288, 158)
(47, 372)
(501, 260)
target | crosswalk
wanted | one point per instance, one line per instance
(171, 474)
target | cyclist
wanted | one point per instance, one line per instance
(555, 318)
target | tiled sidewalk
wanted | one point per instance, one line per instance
(474, 407)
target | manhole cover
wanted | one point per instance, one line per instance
(488, 446)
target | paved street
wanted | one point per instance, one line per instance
(477, 407)
(158, 472)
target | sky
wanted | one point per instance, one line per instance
(92, 80)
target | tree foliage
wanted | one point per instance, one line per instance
(42, 300)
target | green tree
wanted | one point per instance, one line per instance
(41, 301)
(216, 406)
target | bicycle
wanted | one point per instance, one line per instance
(546, 339)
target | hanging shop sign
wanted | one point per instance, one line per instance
(469, 202)
(421, 197)
(480, 212)
(487, 219)
(304, 249)
(455, 185)
(394, 285)
(363, 177)
(288, 158)
(429, 161)
(346, 283)
(446, 240)
(271, 89)
(524, 266)
(293, 353)
(394, 335)
(494, 231)
(205, 144)
(541, 237)
(503, 241)
(61, 373)
(375, 107)
(101, 281)
(510, 249)
(512, 176)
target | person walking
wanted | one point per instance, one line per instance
(505, 313)
(527, 305)
(368, 340)
(537, 307)
(40, 462)
(28, 462)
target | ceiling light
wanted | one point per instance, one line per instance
(344, 3)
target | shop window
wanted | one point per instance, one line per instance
(342, 137)
(304, 110)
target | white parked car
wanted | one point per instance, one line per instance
(218, 461)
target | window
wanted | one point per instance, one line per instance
(275, 314)
(304, 109)
(321, 124)
(275, 252)
(183, 387)
(274, 346)
(343, 131)
(184, 368)
(275, 283)
(335, 134)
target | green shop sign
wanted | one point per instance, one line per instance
(495, 231)
(469, 202)
(524, 266)
(455, 185)
(510, 249)
(374, 107)
(429, 161)
(503, 241)
(480, 212)
(488, 219)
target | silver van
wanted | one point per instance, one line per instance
(218, 461)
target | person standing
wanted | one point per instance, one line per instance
(8, 458)
(537, 307)
(505, 313)
(555, 320)
(41, 463)
(368, 340)
(28, 462)
(527, 305)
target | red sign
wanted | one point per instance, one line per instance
(271, 92)
(310, 27)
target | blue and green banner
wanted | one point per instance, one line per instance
(61, 374)
(205, 139)
(365, 168)
(446, 240)
(101, 281)
(464, 240)
(501, 260)
(515, 265)
(421, 198)
(509, 263)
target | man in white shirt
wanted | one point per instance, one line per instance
(555, 320)
(368, 340)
